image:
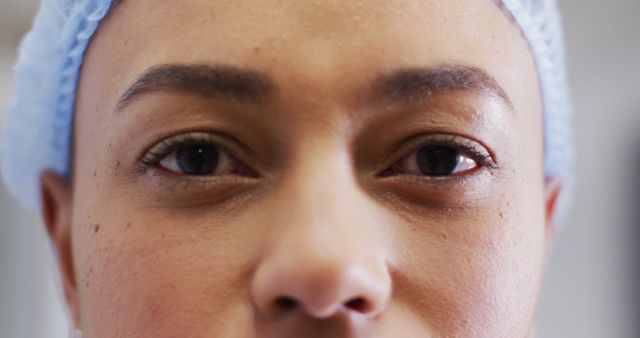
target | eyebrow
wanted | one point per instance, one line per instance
(234, 84)
(415, 84)
(218, 81)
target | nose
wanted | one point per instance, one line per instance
(320, 285)
(327, 255)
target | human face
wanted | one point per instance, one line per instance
(304, 169)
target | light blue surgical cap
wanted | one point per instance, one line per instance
(37, 133)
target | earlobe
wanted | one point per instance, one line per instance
(56, 213)
(553, 188)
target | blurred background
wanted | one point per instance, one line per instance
(592, 287)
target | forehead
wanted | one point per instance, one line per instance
(327, 46)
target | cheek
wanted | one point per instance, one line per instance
(477, 271)
(137, 278)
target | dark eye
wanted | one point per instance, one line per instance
(436, 160)
(198, 159)
(442, 160)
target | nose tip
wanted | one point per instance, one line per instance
(320, 289)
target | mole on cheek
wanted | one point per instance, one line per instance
(95, 227)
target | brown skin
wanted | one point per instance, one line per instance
(315, 242)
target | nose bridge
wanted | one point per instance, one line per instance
(324, 255)
(323, 205)
(322, 185)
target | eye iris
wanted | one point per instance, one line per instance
(437, 160)
(197, 159)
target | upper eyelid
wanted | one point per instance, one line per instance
(413, 144)
(160, 150)
(186, 139)
(399, 151)
(468, 146)
(224, 141)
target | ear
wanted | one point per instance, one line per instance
(56, 212)
(553, 188)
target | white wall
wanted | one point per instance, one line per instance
(592, 284)
(591, 288)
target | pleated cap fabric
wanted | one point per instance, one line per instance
(37, 132)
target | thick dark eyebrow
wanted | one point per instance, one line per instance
(246, 86)
(415, 84)
(217, 81)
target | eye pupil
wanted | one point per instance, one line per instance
(197, 159)
(437, 160)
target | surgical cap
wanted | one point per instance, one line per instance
(37, 132)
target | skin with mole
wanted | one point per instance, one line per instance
(304, 169)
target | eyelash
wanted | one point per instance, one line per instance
(466, 146)
(160, 151)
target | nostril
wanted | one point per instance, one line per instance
(358, 304)
(284, 303)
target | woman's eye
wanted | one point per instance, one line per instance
(198, 159)
(436, 160)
